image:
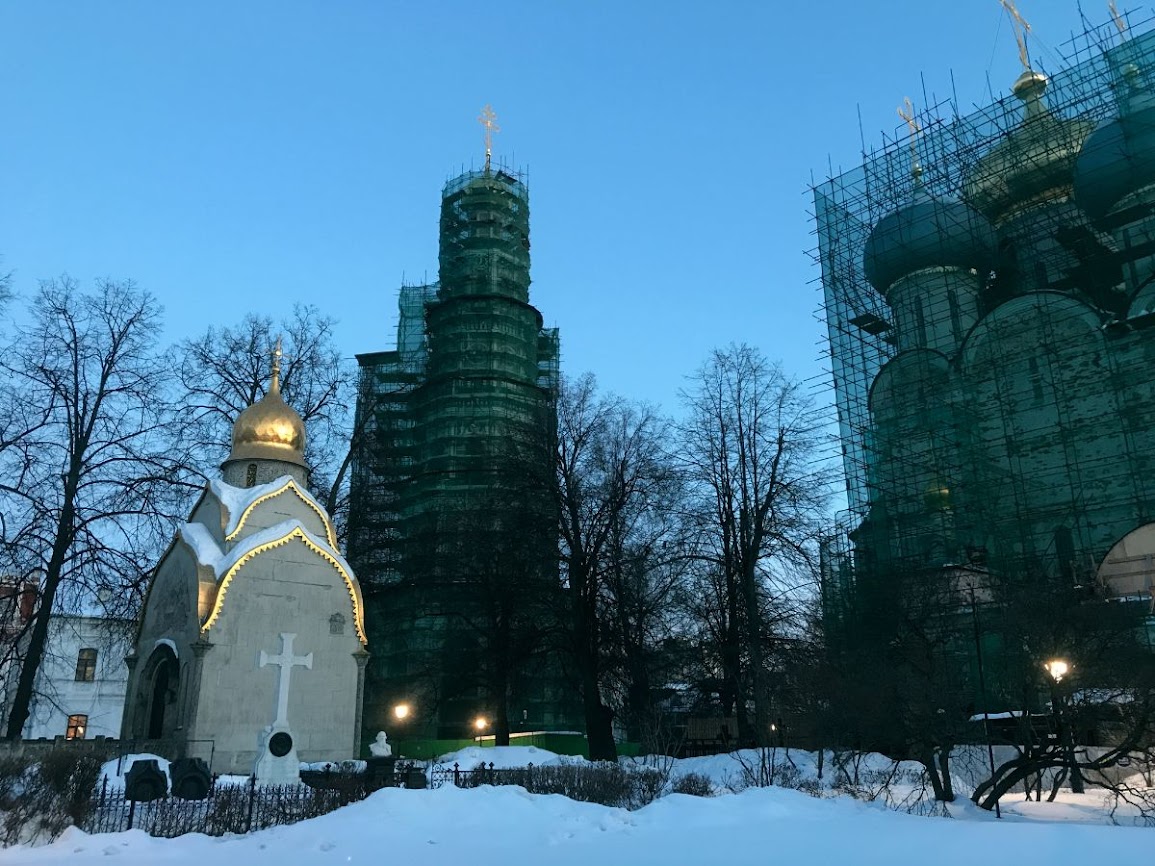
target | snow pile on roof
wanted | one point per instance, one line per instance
(507, 825)
(1008, 714)
(349, 766)
(204, 546)
(222, 562)
(236, 499)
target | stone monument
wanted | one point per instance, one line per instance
(277, 762)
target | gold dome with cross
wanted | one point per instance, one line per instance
(270, 429)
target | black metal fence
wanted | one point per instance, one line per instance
(232, 807)
(229, 808)
(482, 774)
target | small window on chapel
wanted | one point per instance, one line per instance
(251, 475)
(77, 727)
(86, 666)
(336, 624)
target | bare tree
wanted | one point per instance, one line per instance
(226, 370)
(750, 444)
(90, 482)
(1107, 694)
(610, 467)
(899, 670)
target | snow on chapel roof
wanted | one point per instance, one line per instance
(227, 565)
(239, 502)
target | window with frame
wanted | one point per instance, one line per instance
(86, 665)
(77, 727)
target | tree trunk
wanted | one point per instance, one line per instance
(732, 665)
(757, 657)
(22, 701)
(501, 723)
(944, 772)
(598, 717)
(500, 685)
(598, 725)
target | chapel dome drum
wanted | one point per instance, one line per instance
(928, 232)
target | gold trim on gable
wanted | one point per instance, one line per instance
(330, 534)
(296, 532)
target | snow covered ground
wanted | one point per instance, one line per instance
(506, 825)
(492, 825)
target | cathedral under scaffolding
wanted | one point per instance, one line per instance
(448, 426)
(989, 295)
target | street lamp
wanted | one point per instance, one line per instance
(401, 712)
(1058, 669)
(479, 725)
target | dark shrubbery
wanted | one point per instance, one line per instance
(39, 799)
(694, 784)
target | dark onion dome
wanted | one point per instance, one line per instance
(1118, 158)
(928, 232)
(1034, 163)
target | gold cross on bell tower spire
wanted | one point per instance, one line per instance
(1022, 30)
(1120, 21)
(906, 112)
(489, 120)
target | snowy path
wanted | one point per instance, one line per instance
(506, 825)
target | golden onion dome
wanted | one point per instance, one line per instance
(1033, 164)
(270, 429)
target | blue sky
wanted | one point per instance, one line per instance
(241, 156)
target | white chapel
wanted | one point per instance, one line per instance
(251, 650)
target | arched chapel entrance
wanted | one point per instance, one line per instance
(161, 680)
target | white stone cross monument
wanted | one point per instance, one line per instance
(277, 762)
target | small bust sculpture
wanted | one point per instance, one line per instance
(380, 747)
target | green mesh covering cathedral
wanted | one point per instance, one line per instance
(989, 292)
(451, 518)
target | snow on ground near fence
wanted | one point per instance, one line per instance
(505, 757)
(900, 787)
(506, 825)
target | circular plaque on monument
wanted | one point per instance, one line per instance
(280, 744)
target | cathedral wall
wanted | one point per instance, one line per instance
(1052, 453)
(285, 589)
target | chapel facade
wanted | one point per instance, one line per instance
(252, 635)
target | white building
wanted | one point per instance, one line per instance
(82, 680)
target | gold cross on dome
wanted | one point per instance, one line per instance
(489, 120)
(277, 355)
(906, 112)
(1022, 30)
(1120, 22)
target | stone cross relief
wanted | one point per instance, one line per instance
(286, 661)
